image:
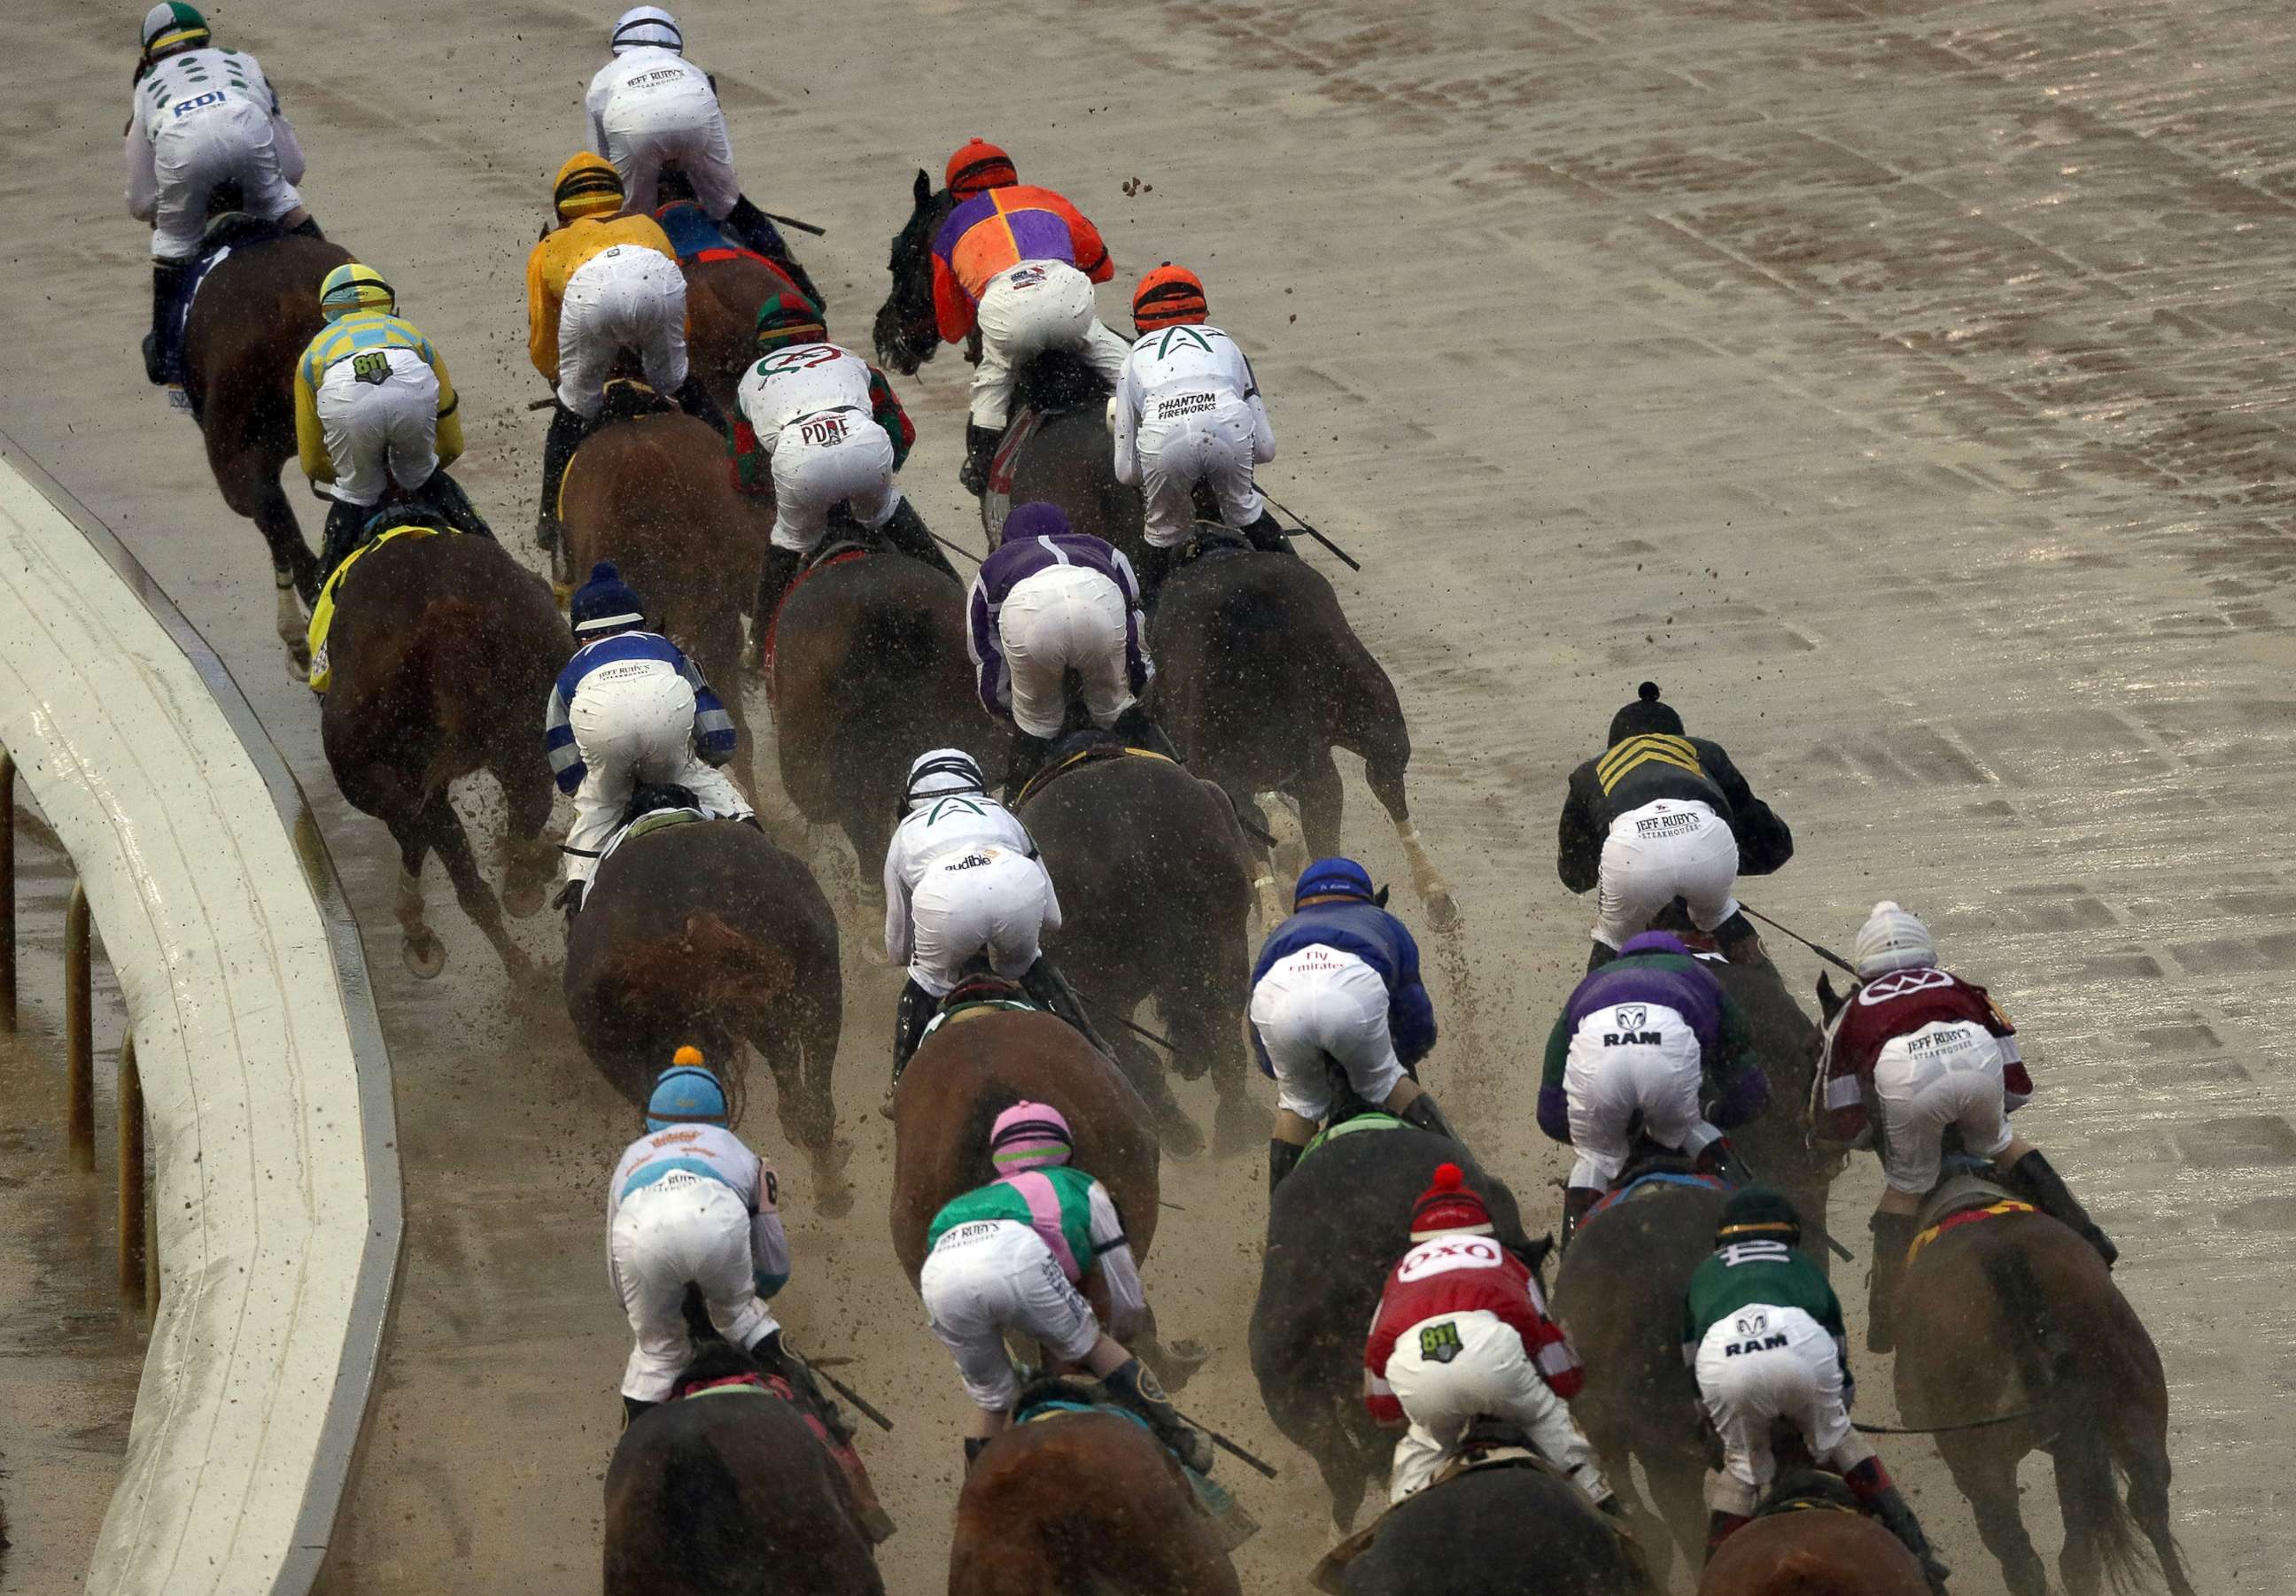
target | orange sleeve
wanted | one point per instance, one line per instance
(541, 314)
(953, 309)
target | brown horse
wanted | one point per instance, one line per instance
(653, 494)
(728, 1492)
(248, 324)
(1155, 888)
(979, 1063)
(1497, 1530)
(722, 297)
(2016, 1314)
(1259, 677)
(1812, 1553)
(1618, 1293)
(868, 671)
(706, 933)
(441, 647)
(1085, 1503)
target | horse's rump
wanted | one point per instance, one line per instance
(1500, 1531)
(1813, 1551)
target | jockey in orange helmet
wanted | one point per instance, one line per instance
(1017, 262)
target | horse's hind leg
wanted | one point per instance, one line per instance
(452, 844)
(1677, 1488)
(2148, 1504)
(1270, 898)
(1175, 1362)
(1145, 1070)
(802, 1051)
(1383, 774)
(249, 481)
(529, 859)
(422, 952)
(1987, 1478)
(1322, 801)
(1346, 1475)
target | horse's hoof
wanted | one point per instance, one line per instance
(836, 1201)
(1182, 1359)
(874, 955)
(1179, 1135)
(425, 955)
(522, 901)
(1442, 913)
(1239, 1128)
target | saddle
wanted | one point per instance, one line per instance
(1653, 1169)
(627, 399)
(976, 994)
(1089, 746)
(320, 675)
(1055, 1396)
(1209, 540)
(1809, 1490)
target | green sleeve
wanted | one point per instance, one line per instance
(1558, 1050)
(1737, 1040)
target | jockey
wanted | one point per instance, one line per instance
(963, 880)
(649, 106)
(629, 708)
(373, 407)
(595, 284)
(1645, 1036)
(1017, 262)
(1010, 1256)
(1046, 602)
(819, 427)
(1762, 1332)
(1339, 983)
(1463, 1334)
(1659, 815)
(1930, 1051)
(201, 117)
(1188, 411)
(691, 1205)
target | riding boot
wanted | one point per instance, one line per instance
(694, 400)
(1720, 1161)
(1267, 534)
(1576, 1201)
(1878, 1494)
(558, 447)
(1893, 1233)
(980, 445)
(773, 582)
(1022, 760)
(1719, 1527)
(2034, 1176)
(632, 1408)
(1139, 731)
(1044, 982)
(774, 1356)
(309, 227)
(1421, 1112)
(1131, 1384)
(1151, 568)
(162, 360)
(911, 1015)
(906, 531)
(445, 496)
(1281, 1157)
(1599, 955)
(754, 230)
(345, 522)
(1739, 943)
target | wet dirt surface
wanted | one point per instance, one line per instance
(1901, 385)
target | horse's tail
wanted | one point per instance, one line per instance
(2049, 1360)
(899, 635)
(730, 973)
(462, 701)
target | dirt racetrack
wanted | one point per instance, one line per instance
(1902, 384)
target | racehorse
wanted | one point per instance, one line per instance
(1496, 1530)
(440, 648)
(253, 316)
(978, 1063)
(653, 494)
(1335, 1227)
(1618, 1293)
(726, 1492)
(704, 932)
(1796, 1549)
(868, 670)
(1066, 459)
(1088, 1502)
(1259, 676)
(1155, 888)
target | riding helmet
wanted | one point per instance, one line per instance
(1168, 297)
(685, 1094)
(1448, 1208)
(587, 185)
(645, 26)
(789, 317)
(606, 603)
(1892, 939)
(1028, 1136)
(173, 26)
(355, 287)
(1034, 521)
(1757, 1213)
(940, 772)
(1645, 716)
(978, 166)
(1334, 878)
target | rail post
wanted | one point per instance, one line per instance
(80, 1035)
(7, 890)
(133, 1240)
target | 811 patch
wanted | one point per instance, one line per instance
(1440, 1343)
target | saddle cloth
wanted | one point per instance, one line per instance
(645, 824)
(322, 613)
(1230, 1524)
(1962, 1199)
(1373, 1121)
(835, 554)
(996, 503)
(1644, 1184)
(779, 1389)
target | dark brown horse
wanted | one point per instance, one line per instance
(2016, 1314)
(1155, 887)
(440, 648)
(980, 1062)
(253, 316)
(722, 297)
(1083, 1502)
(869, 670)
(728, 1493)
(654, 496)
(1618, 1293)
(1259, 677)
(707, 933)
(1497, 1531)
(1812, 1553)
(1335, 1227)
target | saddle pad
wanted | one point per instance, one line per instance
(654, 821)
(1655, 1178)
(2007, 1205)
(773, 622)
(1960, 1190)
(1098, 751)
(966, 1011)
(322, 613)
(1373, 1121)
(997, 501)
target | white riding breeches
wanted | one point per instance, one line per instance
(1214, 447)
(1025, 310)
(1947, 1073)
(379, 410)
(1315, 1006)
(1759, 1365)
(231, 142)
(684, 1228)
(690, 130)
(627, 296)
(629, 730)
(825, 459)
(1659, 853)
(1448, 1372)
(991, 1276)
(975, 899)
(1064, 617)
(1606, 1084)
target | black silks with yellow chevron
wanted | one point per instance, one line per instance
(1650, 747)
